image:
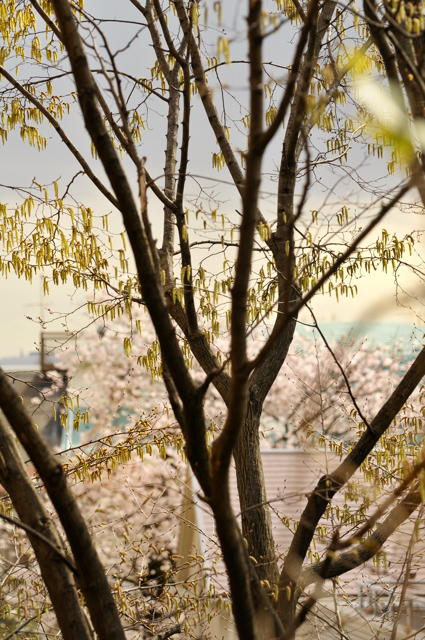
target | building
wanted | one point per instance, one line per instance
(42, 383)
(366, 600)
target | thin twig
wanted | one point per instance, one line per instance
(37, 534)
(279, 326)
(19, 627)
(384, 506)
(310, 602)
(340, 367)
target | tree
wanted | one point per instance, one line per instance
(315, 97)
(309, 398)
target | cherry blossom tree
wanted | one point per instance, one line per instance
(321, 391)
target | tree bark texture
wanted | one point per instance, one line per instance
(57, 577)
(94, 585)
(328, 486)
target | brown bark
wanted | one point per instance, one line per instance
(233, 548)
(245, 390)
(256, 522)
(369, 547)
(403, 58)
(194, 424)
(329, 485)
(57, 576)
(94, 585)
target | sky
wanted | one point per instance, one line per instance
(25, 305)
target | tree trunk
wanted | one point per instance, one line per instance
(56, 574)
(256, 519)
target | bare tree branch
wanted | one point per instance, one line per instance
(92, 577)
(61, 134)
(369, 547)
(28, 529)
(57, 570)
(329, 485)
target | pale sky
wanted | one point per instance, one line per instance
(21, 163)
(375, 302)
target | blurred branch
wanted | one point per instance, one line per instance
(368, 548)
(28, 529)
(20, 627)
